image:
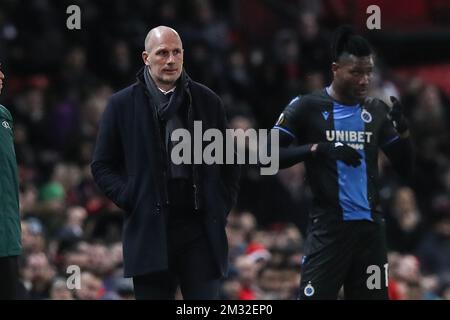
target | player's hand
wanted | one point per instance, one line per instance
(339, 151)
(397, 117)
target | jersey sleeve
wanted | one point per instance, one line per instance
(388, 134)
(290, 120)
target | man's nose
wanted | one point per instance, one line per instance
(171, 58)
(364, 79)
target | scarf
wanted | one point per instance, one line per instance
(171, 110)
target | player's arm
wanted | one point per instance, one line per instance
(288, 125)
(291, 124)
(398, 146)
(290, 156)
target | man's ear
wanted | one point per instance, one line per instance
(145, 55)
(334, 67)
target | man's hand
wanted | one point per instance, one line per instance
(397, 117)
(338, 151)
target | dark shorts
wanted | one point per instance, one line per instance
(350, 254)
(9, 277)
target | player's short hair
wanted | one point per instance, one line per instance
(346, 41)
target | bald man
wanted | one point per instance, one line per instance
(163, 56)
(175, 215)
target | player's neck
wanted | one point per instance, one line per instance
(336, 95)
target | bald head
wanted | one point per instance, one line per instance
(155, 36)
(163, 56)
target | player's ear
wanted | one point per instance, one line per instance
(334, 66)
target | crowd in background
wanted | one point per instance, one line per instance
(256, 55)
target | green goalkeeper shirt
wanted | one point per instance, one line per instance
(10, 232)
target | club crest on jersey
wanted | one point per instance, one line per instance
(309, 290)
(366, 116)
(5, 124)
(280, 120)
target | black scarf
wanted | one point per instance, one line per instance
(165, 107)
(172, 113)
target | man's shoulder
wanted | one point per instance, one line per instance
(124, 93)
(198, 88)
(318, 96)
(5, 112)
(310, 100)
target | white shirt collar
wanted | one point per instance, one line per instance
(166, 92)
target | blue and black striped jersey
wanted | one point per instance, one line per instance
(349, 192)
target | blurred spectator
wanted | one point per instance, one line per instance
(73, 228)
(59, 290)
(269, 280)
(404, 225)
(91, 287)
(231, 287)
(434, 249)
(314, 44)
(38, 276)
(33, 237)
(247, 273)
